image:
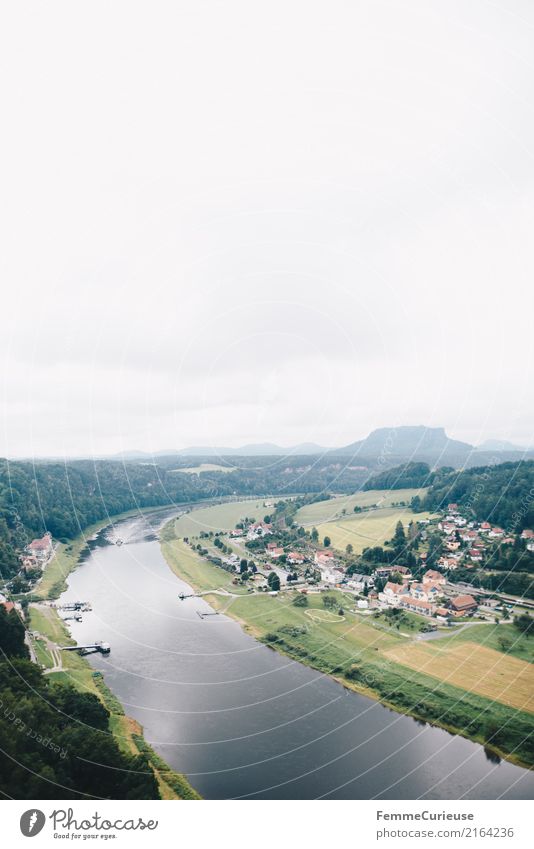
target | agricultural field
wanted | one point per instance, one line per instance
(473, 667)
(204, 467)
(220, 517)
(364, 530)
(503, 637)
(326, 511)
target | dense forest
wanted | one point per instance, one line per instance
(407, 476)
(501, 494)
(64, 498)
(55, 739)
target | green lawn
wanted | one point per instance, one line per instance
(364, 530)
(325, 511)
(220, 517)
(354, 648)
(193, 568)
(204, 467)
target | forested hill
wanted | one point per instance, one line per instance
(56, 740)
(64, 498)
(407, 476)
(502, 495)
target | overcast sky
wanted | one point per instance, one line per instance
(231, 222)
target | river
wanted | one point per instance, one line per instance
(242, 721)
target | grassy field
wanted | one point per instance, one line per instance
(474, 667)
(369, 655)
(204, 467)
(364, 530)
(191, 567)
(325, 511)
(370, 661)
(220, 517)
(504, 638)
(126, 731)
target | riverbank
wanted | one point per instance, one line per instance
(76, 670)
(72, 668)
(67, 556)
(351, 650)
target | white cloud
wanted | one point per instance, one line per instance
(228, 223)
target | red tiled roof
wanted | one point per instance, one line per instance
(463, 602)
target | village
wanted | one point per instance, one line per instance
(268, 558)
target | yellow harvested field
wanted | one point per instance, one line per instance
(472, 667)
(365, 530)
(326, 511)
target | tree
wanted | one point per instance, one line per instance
(274, 581)
(243, 566)
(329, 601)
(524, 623)
(326, 542)
(301, 600)
(396, 577)
(314, 535)
(366, 589)
(399, 540)
(349, 548)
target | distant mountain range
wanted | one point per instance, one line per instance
(384, 447)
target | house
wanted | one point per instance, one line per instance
(332, 576)
(391, 594)
(384, 571)
(259, 529)
(358, 582)
(231, 560)
(452, 508)
(468, 536)
(324, 557)
(8, 605)
(474, 554)
(276, 552)
(485, 527)
(527, 534)
(30, 564)
(453, 544)
(496, 533)
(41, 549)
(434, 576)
(362, 604)
(448, 563)
(236, 533)
(462, 605)
(295, 557)
(426, 591)
(447, 527)
(425, 608)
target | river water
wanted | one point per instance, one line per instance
(243, 721)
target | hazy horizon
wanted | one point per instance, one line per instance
(219, 230)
